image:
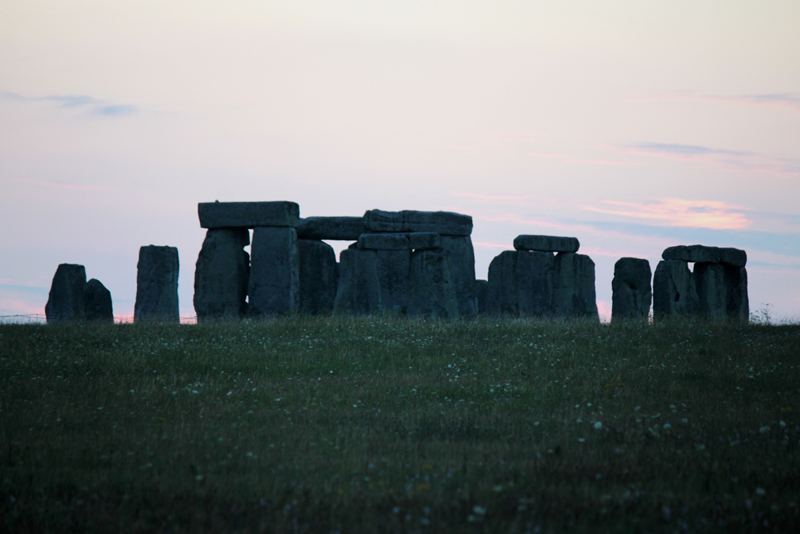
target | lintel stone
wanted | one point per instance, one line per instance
(703, 254)
(546, 243)
(441, 222)
(248, 214)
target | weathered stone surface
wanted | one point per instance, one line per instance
(331, 228)
(703, 254)
(393, 276)
(573, 286)
(461, 258)
(383, 242)
(631, 293)
(248, 214)
(546, 243)
(359, 289)
(424, 240)
(674, 290)
(441, 222)
(721, 291)
(157, 284)
(482, 295)
(319, 274)
(66, 300)
(432, 292)
(221, 274)
(521, 284)
(274, 285)
(97, 302)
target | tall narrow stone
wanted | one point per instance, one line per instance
(97, 302)
(674, 290)
(722, 291)
(432, 292)
(482, 295)
(157, 285)
(221, 275)
(521, 284)
(736, 287)
(359, 289)
(66, 299)
(393, 278)
(274, 285)
(319, 275)
(573, 286)
(461, 257)
(631, 293)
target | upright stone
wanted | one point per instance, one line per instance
(221, 274)
(359, 289)
(630, 289)
(521, 284)
(482, 295)
(97, 302)
(248, 214)
(674, 290)
(393, 267)
(722, 291)
(319, 274)
(461, 258)
(157, 285)
(274, 285)
(573, 286)
(432, 293)
(66, 300)
(736, 288)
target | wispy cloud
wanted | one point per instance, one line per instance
(714, 214)
(88, 104)
(790, 101)
(669, 150)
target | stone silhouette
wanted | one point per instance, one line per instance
(521, 284)
(631, 293)
(319, 276)
(574, 286)
(274, 271)
(97, 302)
(66, 301)
(157, 285)
(221, 274)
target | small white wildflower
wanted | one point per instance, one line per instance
(581, 440)
(229, 394)
(667, 426)
(598, 425)
(760, 492)
(479, 510)
(763, 430)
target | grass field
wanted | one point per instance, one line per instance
(396, 425)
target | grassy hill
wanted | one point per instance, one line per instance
(385, 424)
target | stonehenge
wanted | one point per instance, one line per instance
(544, 276)
(157, 285)
(72, 298)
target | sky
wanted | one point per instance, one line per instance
(630, 125)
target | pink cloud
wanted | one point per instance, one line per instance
(789, 101)
(712, 214)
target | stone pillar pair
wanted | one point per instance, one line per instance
(716, 288)
(544, 276)
(72, 298)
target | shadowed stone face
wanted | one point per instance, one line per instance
(98, 304)
(221, 274)
(274, 271)
(440, 222)
(248, 214)
(631, 291)
(66, 300)
(546, 243)
(521, 284)
(332, 228)
(722, 291)
(674, 290)
(573, 285)
(319, 274)
(157, 284)
(432, 293)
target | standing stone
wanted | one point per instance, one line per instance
(630, 289)
(274, 285)
(674, 290)
(359, 290)
(482, 295)
(97, 302)
(221, 274)
(722, 291)
(521, 284)
(573, 286)
(66, 299)
(319, 275)
(157, 285)
(393, 268)
(461, 258)
(432, 293)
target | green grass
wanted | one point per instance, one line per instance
(393, 425)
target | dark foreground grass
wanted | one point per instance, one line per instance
(392, 425)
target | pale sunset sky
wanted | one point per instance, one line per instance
(630, 125)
